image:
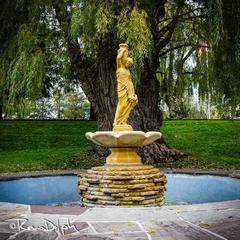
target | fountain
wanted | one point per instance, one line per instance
(123, 180)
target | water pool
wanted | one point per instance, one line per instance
(181, 188)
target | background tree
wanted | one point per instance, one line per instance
(219, 68)
(11, 16)
(77, 106)
(33, 58)
(177, 68)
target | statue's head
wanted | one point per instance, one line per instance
(129, 62)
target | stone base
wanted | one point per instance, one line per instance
(122, 185)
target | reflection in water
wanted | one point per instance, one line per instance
(63, 189)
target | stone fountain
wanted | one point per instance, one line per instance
(123, 180)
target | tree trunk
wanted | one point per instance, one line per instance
(1, 110)
(148, 117)
(93, 115)
(98, 81)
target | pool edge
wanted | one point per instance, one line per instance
(33, 174)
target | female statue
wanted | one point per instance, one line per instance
(127, 99)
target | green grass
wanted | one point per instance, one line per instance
(43, 145)
(209, 144)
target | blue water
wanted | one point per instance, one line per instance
(201, 189)
(181, 188)
(40, 190)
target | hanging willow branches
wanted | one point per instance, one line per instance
(224, 59)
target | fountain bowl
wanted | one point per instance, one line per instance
(113, 139)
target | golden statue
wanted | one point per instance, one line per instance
(127, 99)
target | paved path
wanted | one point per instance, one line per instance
(180, 222)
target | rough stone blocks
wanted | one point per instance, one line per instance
(122, 185)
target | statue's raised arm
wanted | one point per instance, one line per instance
(120, 56)
(127, 99)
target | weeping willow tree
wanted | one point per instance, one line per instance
(226, 54)
(11, 18)
(219, 68)
(176, 71)
(33, 58)
(70, 40)
(212, 42)
(21, 61)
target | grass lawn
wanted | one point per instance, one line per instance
(42, 145)
(209, 144)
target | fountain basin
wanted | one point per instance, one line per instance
(181, 188)
(123, 144)
(114, 139)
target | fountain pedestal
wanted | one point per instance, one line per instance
(123, 180)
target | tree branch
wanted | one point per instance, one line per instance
(163, 73)
(193, 17)
(168, 30)
(192, 73)
(191, 11)
(180, 46)
(184, 14)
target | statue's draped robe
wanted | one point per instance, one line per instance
(125, 90)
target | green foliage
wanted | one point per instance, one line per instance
(83, 25)
(43, 110)
(76, 25)
(216, 72)
(35, 59)
(136, 32)
(92, 21)
(19, 109)
(176, 72)
(224, 61)
(103, 22)
(215, 19)
(77, 106)
(23, 68)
